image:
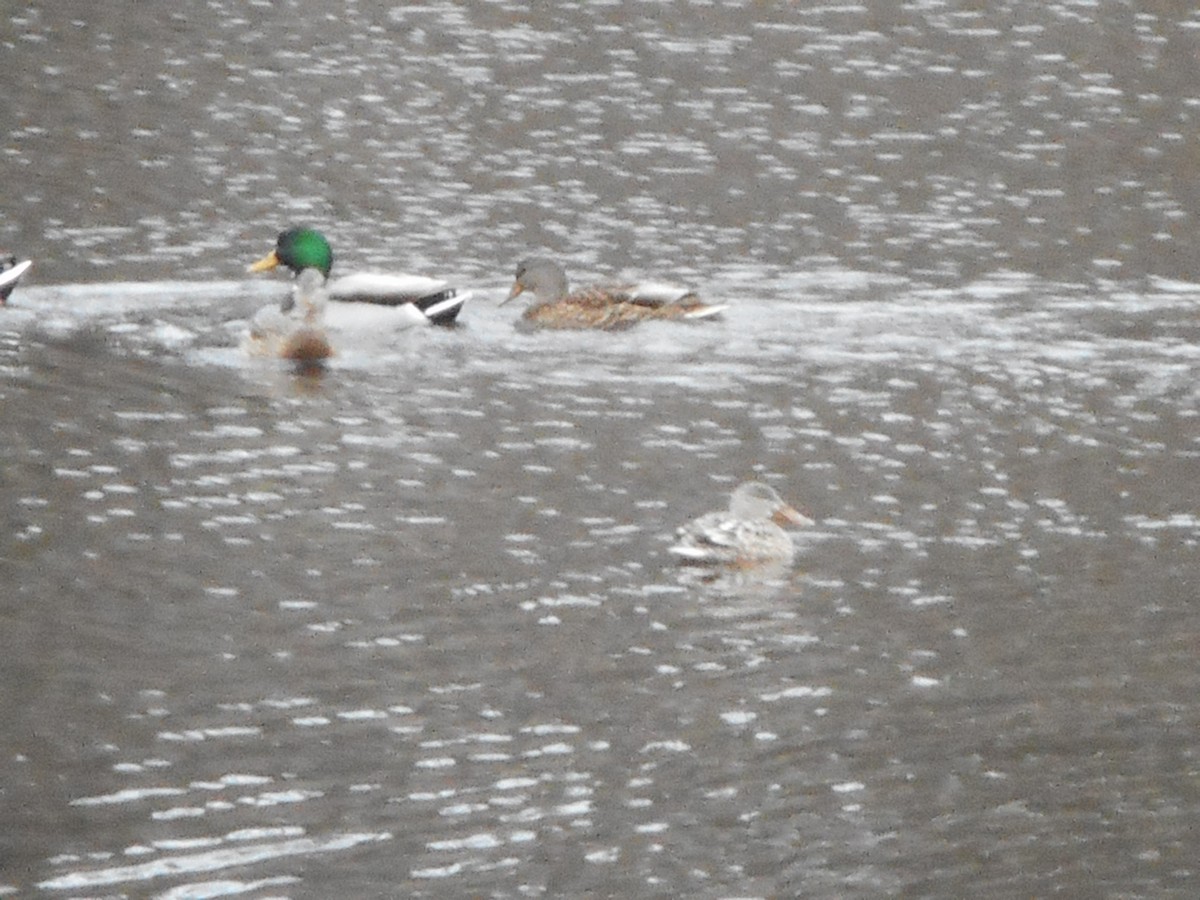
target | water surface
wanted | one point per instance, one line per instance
(410, 628)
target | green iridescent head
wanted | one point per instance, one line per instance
(298, 248)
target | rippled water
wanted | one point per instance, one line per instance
(936, 137)
(410, 628)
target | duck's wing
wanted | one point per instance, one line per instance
(385, 288)
(721, 538)
(711, 538)
(588, 309)
(436, 299)
(373, 320)
(686, 303)
(658, 293)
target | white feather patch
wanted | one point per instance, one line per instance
(380, 284)
(10, 276)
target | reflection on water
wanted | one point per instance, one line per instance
(411, 628)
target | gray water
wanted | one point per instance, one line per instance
(410, 628)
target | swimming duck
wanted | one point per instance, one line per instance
(365, 299)
(748, 533)
(603, 307)
(295, 330)
(10, 273)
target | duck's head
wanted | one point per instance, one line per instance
(540, 276)
(755, 500)
(298, 248)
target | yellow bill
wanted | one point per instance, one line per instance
(268, 262)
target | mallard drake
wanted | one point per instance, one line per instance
(748, 533)
(603, 307)
(386, 300)
(10, 273)
(295, 330)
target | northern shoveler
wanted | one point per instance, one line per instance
(748, 533)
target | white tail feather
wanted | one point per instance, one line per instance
(448, 304)
(10, 276)
(705, 312)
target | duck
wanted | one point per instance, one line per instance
(295, 329)
(365, 300)
(10, 273)
(746, 534)
(606, 308)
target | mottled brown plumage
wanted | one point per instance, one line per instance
(747, 534)
(308, 346)
(605, 308)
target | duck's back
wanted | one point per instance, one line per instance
(718, 538)
(385, 288)
(614, 308)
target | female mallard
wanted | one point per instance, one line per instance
(606, 308)
(10, 273)
(295, 330)
(745, 535)
(366, 299)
